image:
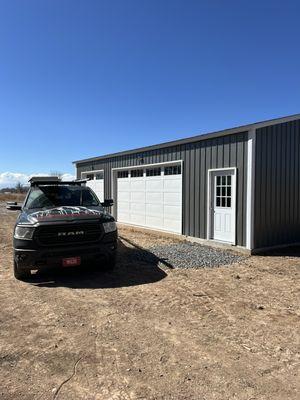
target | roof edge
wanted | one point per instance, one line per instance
(197, 138)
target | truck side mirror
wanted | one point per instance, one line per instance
(107, 203)
(12, 205)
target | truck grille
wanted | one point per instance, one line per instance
(68, 234)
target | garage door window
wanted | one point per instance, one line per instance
(135, 173)
(90, 176)
(173, 170)
(100, 175)
(122, 174)
(153, 172)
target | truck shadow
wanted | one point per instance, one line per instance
(135, 266)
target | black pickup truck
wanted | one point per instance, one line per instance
(62, 224)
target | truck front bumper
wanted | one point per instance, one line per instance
(53, 257)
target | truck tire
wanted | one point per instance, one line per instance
(21, 274)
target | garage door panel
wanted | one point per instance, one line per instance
(123, 185)
(172, 185)
(138, 219)
(123, 206)
(155, 210)
(123, 196)
(172, 198)
(99, 184)
(154, 197)
(172, 225)
(98, 187)
(123, 216)
(137, 208)
(154, 185)
(91, 185)
(172, 212)
(138, 197)
(137, 185)
(153, 222)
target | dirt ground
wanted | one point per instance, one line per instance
(150, 332)
(18, 197)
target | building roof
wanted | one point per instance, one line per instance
(197, 138)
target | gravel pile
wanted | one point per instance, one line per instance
(187, 255)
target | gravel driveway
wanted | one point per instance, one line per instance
(190, 255)
(180, 254)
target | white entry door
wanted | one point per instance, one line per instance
(151, 197)
(95, 182)
(223, 189)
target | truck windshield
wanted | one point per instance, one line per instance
(57, 196)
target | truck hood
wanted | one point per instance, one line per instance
(64, 213)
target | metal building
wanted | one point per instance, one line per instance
(238, 186)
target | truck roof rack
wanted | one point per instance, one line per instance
(44, 179)
(53, 180)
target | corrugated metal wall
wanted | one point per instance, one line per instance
(277, 188)
(221, 152)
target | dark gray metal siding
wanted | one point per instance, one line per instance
(198, 157)
(277, 185)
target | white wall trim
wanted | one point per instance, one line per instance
(208, 215)
(222, 169)
(250, 189)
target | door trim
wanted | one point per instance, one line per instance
(209, 234)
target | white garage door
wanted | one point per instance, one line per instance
(96, 182)
(151, 197)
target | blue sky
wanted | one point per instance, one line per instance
(85, 78)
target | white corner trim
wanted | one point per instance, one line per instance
(250, 189)
(75, 170)
(208, 210)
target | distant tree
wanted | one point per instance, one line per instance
(56, 173)
(19, 187)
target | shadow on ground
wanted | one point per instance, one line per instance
(290, 251)
(135, 266)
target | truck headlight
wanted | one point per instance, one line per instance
(109, 226)
(22, 232)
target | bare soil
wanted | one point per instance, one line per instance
(150, 332)
(18, 197)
